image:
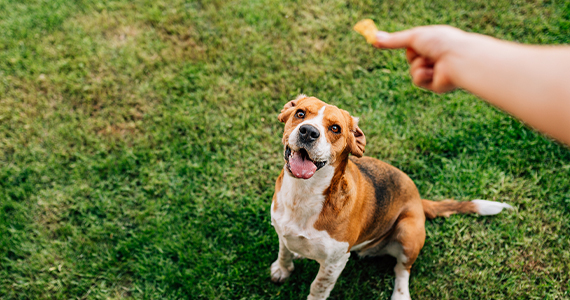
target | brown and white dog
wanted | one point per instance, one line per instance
(327, 204)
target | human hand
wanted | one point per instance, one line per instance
(431, 52)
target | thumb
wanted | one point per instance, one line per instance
(400, 39)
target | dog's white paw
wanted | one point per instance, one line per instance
(279, 274)
(401, 295)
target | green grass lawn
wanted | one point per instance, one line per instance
(139, 144)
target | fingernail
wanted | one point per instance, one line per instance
(382, 35)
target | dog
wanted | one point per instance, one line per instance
(330, 201)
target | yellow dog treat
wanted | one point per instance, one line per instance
(368, 29)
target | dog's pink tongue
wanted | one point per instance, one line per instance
(301, 168)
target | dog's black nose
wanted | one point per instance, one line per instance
(308, 133)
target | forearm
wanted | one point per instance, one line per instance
(530, 82)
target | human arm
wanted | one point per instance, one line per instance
(530, 82)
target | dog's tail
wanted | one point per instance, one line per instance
(446, 208)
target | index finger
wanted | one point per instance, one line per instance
(395, 40)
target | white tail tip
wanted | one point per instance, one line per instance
(487, 208)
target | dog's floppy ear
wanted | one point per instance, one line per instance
(289, 108)
(356, 138)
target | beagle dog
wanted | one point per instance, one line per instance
(328, 203)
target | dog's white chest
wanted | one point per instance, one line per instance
(299, 235)
(299, 204)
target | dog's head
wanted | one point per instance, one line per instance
(317, 134)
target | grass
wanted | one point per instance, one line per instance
(139, 144)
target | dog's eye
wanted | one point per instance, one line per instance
(335, 129)
(300, 114)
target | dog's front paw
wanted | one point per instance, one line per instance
(400, 295)
(278, 273)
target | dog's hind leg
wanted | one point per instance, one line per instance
(409, 240)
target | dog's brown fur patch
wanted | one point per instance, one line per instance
(365, 200)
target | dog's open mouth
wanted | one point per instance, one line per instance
(300, 164)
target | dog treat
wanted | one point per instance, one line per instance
(368, 29)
